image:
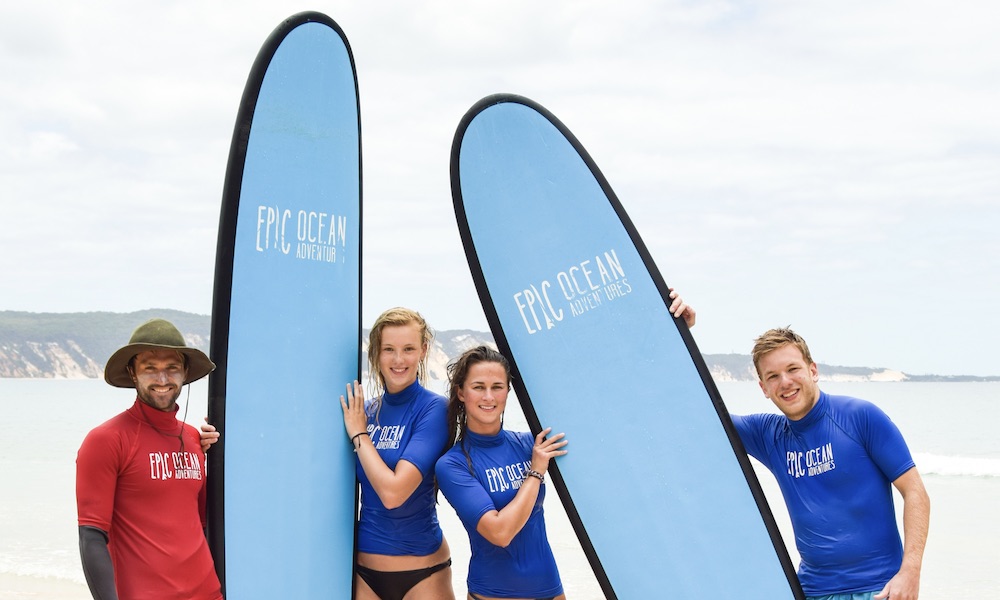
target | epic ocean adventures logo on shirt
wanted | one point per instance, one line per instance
(501, 479)
(174, 465)
(811, 462)
(577, 289)
(304, 234)
(386, 437)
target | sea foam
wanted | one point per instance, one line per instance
(957, 466)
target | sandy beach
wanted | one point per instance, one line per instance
(957, 524)
(21, 587)
(960, 459)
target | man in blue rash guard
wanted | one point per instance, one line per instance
(836, 459)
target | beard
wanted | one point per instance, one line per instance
(158, 400)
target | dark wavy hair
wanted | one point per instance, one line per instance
(458, 373)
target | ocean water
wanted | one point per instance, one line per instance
(950, 427)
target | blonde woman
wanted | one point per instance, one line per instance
(398, 436)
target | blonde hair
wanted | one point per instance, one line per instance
(772, 339)
(394, 317)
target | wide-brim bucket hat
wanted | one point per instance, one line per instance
(155, 334)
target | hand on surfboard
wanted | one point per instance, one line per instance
(355, 419)
(209, 435)
(546, 449)
(681, 310)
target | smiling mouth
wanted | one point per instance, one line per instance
(790, 395)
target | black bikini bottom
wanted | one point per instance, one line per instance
(393, 585)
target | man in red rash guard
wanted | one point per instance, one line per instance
(140, 480)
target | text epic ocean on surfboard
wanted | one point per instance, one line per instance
(582, 287)
(317, 234)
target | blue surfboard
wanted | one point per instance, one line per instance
(656, 484)
(286, 322)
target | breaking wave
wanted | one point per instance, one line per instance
(957, 466)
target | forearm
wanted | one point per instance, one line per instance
(500, 527)
(916, 523)
(97, 566)
(905, 585)
(394, 487)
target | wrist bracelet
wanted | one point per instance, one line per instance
(536, 474)
(356, 436)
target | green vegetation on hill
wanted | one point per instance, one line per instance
(63, 344)
(103, 331)
(93, 335)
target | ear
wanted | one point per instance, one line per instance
(814, 371)
(761, 384)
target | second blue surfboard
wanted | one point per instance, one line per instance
(656, 484)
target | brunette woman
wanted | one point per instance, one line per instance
(494, 479)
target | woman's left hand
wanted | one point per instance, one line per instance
(546, 449)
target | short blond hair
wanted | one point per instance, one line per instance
(772, 339)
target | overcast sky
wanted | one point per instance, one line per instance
(834, 166)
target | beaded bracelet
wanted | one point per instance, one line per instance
(356, 436)
(536, 474)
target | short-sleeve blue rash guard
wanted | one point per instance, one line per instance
(411, 426)
(835, 467)
(526, 568)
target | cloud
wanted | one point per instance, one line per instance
(827, 165)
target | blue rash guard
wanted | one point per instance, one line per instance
(835, 467)
(526, 568)
(411, 426)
